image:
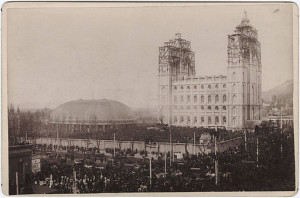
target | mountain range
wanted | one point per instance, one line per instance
(283, 90)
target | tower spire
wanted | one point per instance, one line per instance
(245, 15)
(245, 19)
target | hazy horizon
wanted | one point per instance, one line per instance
(56, 55)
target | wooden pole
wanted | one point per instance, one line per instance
(194, 148)
(171, 148)
(281, 133)
(216, 160)
(246, 140)
(165, 162)
(150, 173)
(57, 140)
(114, 144)
(257, 151)
(17, 183)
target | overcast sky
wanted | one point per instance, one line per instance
(57, 55)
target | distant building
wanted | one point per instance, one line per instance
(206, 101)
(90, 116)
(13, 125)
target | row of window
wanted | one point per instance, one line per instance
(202, 107)
(209, 98)
(202, 121)
(202, 87)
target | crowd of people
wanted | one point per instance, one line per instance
(264, 161)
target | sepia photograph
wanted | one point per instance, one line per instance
(148, 98)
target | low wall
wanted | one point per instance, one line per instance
(157, 147)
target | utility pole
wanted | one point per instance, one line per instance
(171, 146)
(57, 140)
(281, 132)
(150, 172)
(246, 140)
(257, 151)
(257, 132)
(165, 162)
(216, 160)
(114, 144)
(17, 183)
(194, 148)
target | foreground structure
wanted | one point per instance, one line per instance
(206, 101)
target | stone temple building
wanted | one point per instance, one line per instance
(229, 101)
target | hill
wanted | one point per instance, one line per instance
(285, 90)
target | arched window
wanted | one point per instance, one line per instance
(224, 107)
(195, 98)
(202, 99)
(188, 98)
(234, 99)
(233, 87)
(209, 86)
(181, 119)
(253, 95)
(202, 107)
(175, 87)
(181, 87)
(234, 111)
(195, 119)
(224, 98)
(209, 98)
(202, 86)
(217, 120)
(181, 98)
(217, 98)
(244, 93)
(188, 120)
(216, 108)
(209, 120)
(175, 99)
(175, 119)
(195, 87)
(233, 122)
(216, 86)
(202, 120)
(224, 120)
(209, 107)
(253, 117)
(258, 94)
(188, 87)
(224, 86)
(233, 76)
